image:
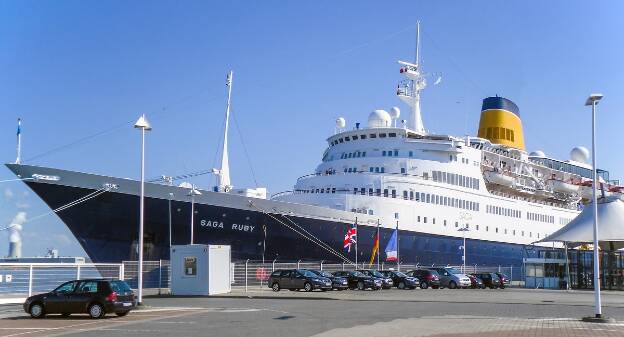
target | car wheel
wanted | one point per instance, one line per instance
(424, 285)
(275, 286)
(360, 285)
(401, 285)
(452, 285)
(122, 313)
(37, 311)
(307, 287)
(65, 314)
(96, 311)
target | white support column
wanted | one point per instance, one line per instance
(30, 280)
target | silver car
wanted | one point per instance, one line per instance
(452, 278)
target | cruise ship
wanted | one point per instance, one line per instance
(387, 174)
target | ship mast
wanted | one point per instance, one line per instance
(409, 92)
(223, 176)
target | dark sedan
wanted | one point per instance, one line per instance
(505, 281)
(475, 282)
(386, 282)
(95, 297)
(338, 283)
(296, 279)
(428, 278)
(401, 280)
(359, 281)
(490, 280)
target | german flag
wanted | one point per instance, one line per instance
(375, 249)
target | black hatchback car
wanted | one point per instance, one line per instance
(338, 283)
(359, 281)
(296, 279)
(95, 297)
(386, 282)
(490, 280)
(401, 280)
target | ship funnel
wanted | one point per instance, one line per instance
(500, 122)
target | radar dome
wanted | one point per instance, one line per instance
(395, 112)
(538, 153)
(185, 184)
(340, 122)
(379, 119)
(580, 154)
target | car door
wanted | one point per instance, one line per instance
(445, 276)
(284, 280)
(84, 294)
(57, 300)
(297, 280)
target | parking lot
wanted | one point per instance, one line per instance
(430, 312)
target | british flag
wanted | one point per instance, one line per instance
(350, 238)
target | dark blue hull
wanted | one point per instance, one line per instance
(107, 229)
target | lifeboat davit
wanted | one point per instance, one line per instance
(499, 178)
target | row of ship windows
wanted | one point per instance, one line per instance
(384, 153)
(503, 211)
(455, 179)
(540, 217)
(363, 136)
(564, 221)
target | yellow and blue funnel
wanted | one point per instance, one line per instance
(500, 122)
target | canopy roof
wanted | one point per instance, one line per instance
(581, 228)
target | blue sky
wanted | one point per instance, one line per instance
(72, 69)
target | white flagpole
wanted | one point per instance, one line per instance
(357, 238)
(397, 238)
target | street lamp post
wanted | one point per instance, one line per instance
(464, 230)
(144, 125)
(192, 194)
(593, 100)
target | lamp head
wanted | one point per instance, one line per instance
(593, 98)
(142, 123)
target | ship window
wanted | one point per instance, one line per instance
(411, 195)
(425, 219)
(378, 192)
(394, 193)
(363, 153)
(505, 230)
(456, 224)
(402, 169)
(341, 140)
(396, 153)
(437, 199)
(477, 227)
(385, 192)
(433, 220)
(350, 155)
(333, 190)
(522, 233)
(370, 191)
(371, 169)
(392, 134)
(347, 139)
(362, 136)
(358, 154)
(405, 195)
(411, 153)
(354, 137)
(317, 190)
(444, 223)
(370, 212)
(487, 228)
(376, 169)
(383, 170)
(383, 153)
(355, 190)
(372, 135)
(428, 198)
(362, 191)
(382, 135)
(418, 219)
(496, 229)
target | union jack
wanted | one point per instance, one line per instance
(350, 238)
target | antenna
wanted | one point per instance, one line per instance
(417, 43)
(18, 160)
(223, 178)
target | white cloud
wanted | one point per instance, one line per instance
(8, 193)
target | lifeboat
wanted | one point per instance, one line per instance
(563, 187)
(499, 178)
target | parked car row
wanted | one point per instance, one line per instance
(362, 279)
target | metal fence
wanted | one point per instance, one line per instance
(253, 275)
(21, 279)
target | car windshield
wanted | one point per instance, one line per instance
(307, 273)
(66, 287)
(376, 273)
(358, 274)
(453, 271)
(322, 273)
(399, 274)
(120, 286)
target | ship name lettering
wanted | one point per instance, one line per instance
(213, 224)
(243, 228)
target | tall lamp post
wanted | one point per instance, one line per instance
(593, 100)
(464, 229)
(144, 126)
(192, 194)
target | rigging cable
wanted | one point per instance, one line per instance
(332, 251)
(240, 135)
(71, 204)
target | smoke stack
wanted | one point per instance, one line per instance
(500, 122)
(15, 235)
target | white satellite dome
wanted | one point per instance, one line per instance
(185, 184)
(580, 154)
(395, 112)
(341, 122)
(379, 119)
(538, 153)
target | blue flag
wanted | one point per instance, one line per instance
(391, 248)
